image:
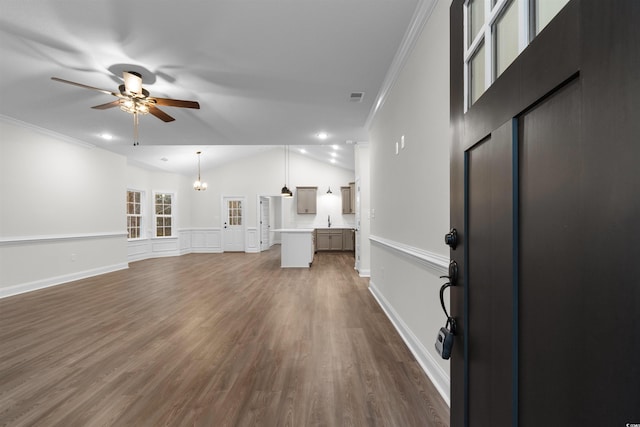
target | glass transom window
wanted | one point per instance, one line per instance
(496, 32)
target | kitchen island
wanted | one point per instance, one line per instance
(297, 247)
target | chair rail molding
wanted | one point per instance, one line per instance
(51, 238)
(437, 263)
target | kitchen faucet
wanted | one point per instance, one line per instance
(329, 221)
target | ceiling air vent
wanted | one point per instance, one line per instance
(356, 96)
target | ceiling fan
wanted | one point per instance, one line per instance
(134, 99)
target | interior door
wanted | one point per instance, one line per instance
(264, 224)
(233, 226)
(546, 201)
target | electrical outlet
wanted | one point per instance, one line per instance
(402, 142)
(397, 150)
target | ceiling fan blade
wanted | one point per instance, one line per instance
(132, 82)
(160, 114)
(107, 105)
(108, 92)
(175, 103)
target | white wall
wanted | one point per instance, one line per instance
(410, 195)
(263, 174)
(61, 209)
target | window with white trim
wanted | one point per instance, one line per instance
(134, 214)
(496, 32)
(163, 209)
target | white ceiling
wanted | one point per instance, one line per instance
(265, 72)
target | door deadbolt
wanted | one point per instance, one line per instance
(451, 238)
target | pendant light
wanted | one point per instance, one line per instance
(285, 192)
(199, 185)
(329, 190)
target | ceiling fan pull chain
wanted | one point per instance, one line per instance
(135, 130)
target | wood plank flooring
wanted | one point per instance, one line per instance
(210, 340)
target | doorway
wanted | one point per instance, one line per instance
(233, 223)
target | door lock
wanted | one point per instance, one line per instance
(451, 238)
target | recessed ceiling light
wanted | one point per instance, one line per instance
(333, 160)
(302, 150)
(322, 135)
(106, 136)
(335, 147)
(333, 154)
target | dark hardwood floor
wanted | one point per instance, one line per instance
(210, 340)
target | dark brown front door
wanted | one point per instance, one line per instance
(545, 195)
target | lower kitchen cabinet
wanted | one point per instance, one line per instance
(348, 239)
(334, 239)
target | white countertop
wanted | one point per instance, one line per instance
(295, 230)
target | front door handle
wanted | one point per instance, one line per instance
(453, 273)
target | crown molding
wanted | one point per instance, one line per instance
(44, 131)
(423, 12)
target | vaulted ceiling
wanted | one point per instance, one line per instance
(265, 72)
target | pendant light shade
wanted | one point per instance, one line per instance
(285, 192)
(199, 185)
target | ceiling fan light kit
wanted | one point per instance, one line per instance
(134, 99)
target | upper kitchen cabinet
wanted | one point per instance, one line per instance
(348, 198)
(307, 198)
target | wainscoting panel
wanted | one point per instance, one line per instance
(252, 243)
(189, 240)
(138, 249)
(165, 246)
(205, 240)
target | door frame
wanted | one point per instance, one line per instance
(223, 215)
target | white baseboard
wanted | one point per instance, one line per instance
(436, 374)
(364, 273)
(59, 280)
